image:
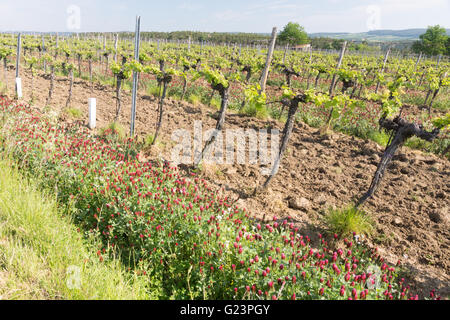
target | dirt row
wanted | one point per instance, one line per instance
(411, 207)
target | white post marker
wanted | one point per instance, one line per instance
(19, 42)
(92, 112)
(19, 88)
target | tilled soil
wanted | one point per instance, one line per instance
(411, 206)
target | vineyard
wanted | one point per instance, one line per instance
(357, 210)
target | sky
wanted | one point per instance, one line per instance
(221, 16)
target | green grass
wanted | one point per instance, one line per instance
(153, 90)
(215, 102)
(104, 79)
(148, 140)
(194, 99)
(175, 92)
(440, 103)
(416, 143)
(113, 129)
(346, 220)
(74, 112)
(252, 110)
(275, 82)
(311, 120)
(3, 90)
(42, 256)
(127, 85)
(380, 137)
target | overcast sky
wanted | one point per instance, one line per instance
(225, 16)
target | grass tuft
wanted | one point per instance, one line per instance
(74, 112)
(153, 90)
(3, 90)
(253, 110)
(347, 220)
(114, 129)
(215, 102)
(148, 140)
(194, 99)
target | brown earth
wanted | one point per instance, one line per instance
(411, 207)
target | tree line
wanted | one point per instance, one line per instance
(433, 42)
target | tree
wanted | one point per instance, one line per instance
(293, 34)
(432, 42)
(336, 44)
(448, 46)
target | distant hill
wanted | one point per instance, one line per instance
(375, 35)
(400, 36)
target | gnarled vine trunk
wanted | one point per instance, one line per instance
(435, 93)
(287, 131)
(52, 80)
(69, 98)
(402, 131)
(224, 94)
(32, 83)
(5, 68)
(79, 65)
(90, 70)
(247, 69)
(316, 82)
(288, 74)
(184, 88)
(118, 97)
(160, 111)
(307, 81)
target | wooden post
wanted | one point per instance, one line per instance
(382, 69)
(135, 75)
(341, 57)
(116, 40)
(417, 62)
(385, 59)
(56, 46)
(439, 60)
(268, 60)
(285, 52)
(43, 52)
(19, 44)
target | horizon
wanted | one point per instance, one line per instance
(231, 32)
(326, 16)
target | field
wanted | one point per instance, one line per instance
(201, 231)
